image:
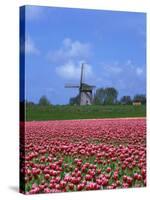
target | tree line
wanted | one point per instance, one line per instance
(109, 96)
(102, 96)
(43, 101)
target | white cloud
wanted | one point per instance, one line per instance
(72, 70)
(69, 57)
(30, 47)
(70, 50)
(129, 62)
(112, 68)
(126, 68)
(121, 73)
(76, 48)
(131, 79)
(139, 71)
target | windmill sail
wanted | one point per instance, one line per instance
(69, 85)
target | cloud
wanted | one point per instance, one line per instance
(139, 71)
(113, 68)
(116, 69)
(127, 77)
(72, 70)
(69, 57)
(30, 47)
(70, 50)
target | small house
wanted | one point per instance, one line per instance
(136, 103)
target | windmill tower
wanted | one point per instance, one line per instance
(85, 90)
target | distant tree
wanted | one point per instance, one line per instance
(126, 100)
(110, 95)
(99, 96)
(44, 101)
(140, 97)
(106, 96)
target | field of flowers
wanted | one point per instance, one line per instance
(79, 155)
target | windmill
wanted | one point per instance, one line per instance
(85, 90)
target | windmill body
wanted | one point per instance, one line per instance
(86, 97)
(85, 90)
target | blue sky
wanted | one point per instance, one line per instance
(58, 40)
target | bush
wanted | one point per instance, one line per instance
(44, 101)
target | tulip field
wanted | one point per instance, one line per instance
(80, 155)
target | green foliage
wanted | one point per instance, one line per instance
(99, 96)
(110, 96)
(107, 96)
(126, 100)
(140, 97)
(44, 101)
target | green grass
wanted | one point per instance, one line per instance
(83, 112)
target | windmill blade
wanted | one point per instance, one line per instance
(81, 78)
(71, 86)
(90, 97)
